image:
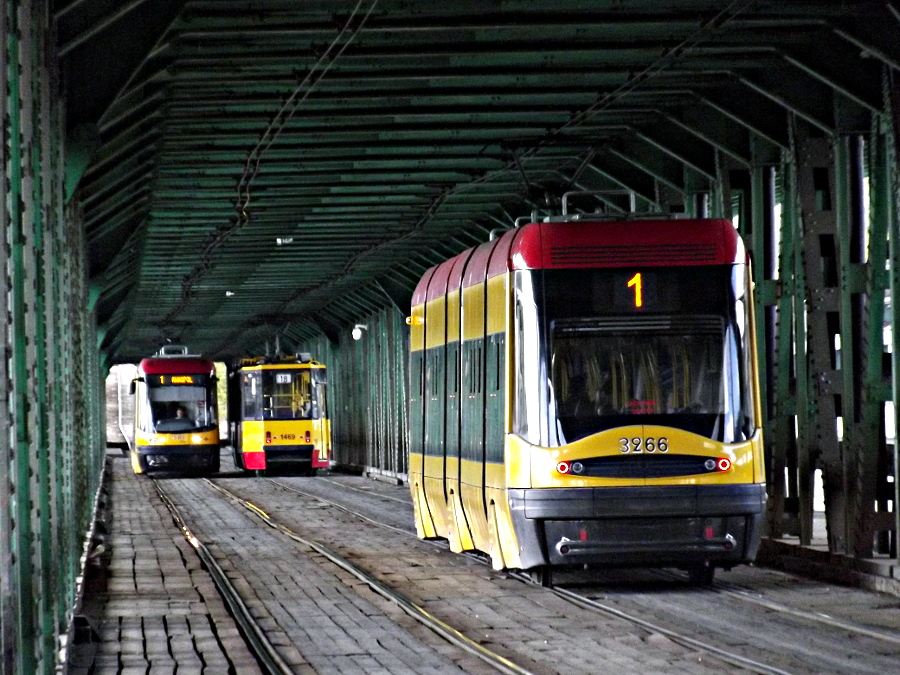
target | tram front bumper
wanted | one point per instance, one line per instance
(176, 457)
(639, 526)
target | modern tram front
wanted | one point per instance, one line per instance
(175, 426)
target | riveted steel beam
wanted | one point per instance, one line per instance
(8, 599)
(860, 443)
(820, 253)
(50, 455)
(875, 491)
(21, 309)
(893, 163)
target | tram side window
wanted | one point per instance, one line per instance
(474, 367)
(322, 400)
(494, 405)
(251, 395)
(310, 405)
(743, 318)
(143, 412)
(527, 367)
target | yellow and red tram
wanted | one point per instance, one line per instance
(279, 414)
(586, 393)
(175, 423)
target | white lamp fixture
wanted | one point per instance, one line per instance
(357, 331)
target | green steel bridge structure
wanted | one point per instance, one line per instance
(236, 174)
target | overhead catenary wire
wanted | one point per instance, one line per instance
(290, 106)
(350, 30)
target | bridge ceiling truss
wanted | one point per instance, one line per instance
(251, 169)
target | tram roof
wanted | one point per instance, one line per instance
(247, 169)
(557, 245)
(177, 365)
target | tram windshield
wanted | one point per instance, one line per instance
(669, 349)
(288, 395)
(179, 408)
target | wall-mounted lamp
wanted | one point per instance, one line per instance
(357, 331)
(229, 294)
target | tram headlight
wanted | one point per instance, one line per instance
(196, 438)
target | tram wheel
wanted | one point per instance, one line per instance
(702, 574)
(144, 464)
(541, 575)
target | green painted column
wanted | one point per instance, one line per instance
(47, 553)
(8, 605)
(877, 387)
(800, 465)
(893, 162)
(848, 190)
(23, 536)
(52, 452)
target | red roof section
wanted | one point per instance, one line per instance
(418, 297)
(456, 273)
(647, 243)
(177, 365)
(437, 287)
(476, 270)
(499, 263)
(650, 243)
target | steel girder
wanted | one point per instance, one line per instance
(830, 383)
(51, 448)
(889, 207)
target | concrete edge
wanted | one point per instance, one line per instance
(874, 575)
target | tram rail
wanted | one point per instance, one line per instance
(745, 596)
(254, 634)
(439, 627)
(585, 602)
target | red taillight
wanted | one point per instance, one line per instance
(268, 438)
(563, 467)
(307, 437)
(723, 464)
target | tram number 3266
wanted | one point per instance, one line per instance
(639, 445)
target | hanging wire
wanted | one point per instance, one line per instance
(290, 106)
(270, 134)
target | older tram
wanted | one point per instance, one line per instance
(175, 424)
(586, 393)
(279, 414)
